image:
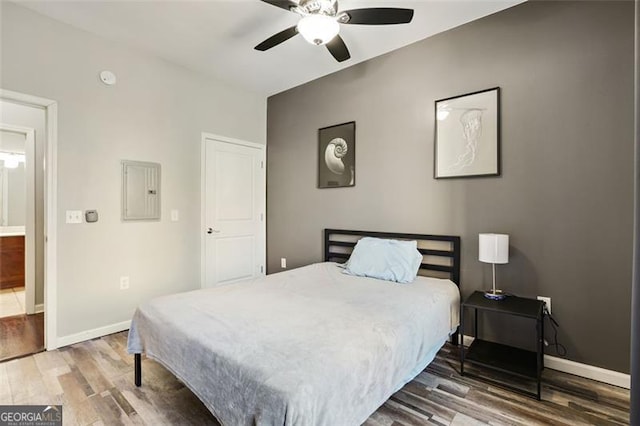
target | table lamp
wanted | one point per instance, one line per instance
(494, 249)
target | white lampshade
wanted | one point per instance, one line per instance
(493, 248)
(318, 29)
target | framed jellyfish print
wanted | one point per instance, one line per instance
(337, 156)
(467, 135)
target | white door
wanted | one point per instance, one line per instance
(234, 206)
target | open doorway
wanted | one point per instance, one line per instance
(17, 221)
(22, 141)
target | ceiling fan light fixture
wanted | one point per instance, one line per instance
(318, 29)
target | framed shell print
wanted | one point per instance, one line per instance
(337, 156)
(467, 142)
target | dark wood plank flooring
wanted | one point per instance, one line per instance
(21, 335)
(94, 382)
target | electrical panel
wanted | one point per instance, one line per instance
(140, 191)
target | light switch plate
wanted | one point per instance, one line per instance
(175, 215)
(74, 216)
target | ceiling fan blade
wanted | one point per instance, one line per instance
(276, 39)
(378, 16)
(338, 49)
(282, 4)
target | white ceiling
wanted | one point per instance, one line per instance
(217, 37)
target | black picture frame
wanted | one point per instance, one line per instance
(337, 156)
(467, 140)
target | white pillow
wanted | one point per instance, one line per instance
(390, 260)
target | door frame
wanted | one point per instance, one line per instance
(50, 207)
(30, 213)
(203, 205)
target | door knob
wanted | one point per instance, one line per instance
(212, 231)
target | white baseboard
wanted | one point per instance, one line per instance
(92, 334)
(39, 308)
(588, 371)
(578, 369)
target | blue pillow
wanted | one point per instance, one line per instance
(389, 260)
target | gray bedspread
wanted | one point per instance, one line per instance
(309, 346)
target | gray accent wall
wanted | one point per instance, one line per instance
(565, 196)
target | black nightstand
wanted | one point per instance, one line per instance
(496, 356)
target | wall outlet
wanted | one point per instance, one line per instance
(283, 263)
(547, 301)
(124, 283)
(74, 216)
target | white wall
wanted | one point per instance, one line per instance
(16, 197)
(10, 141)
(156, 112)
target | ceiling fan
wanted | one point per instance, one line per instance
(320, 23)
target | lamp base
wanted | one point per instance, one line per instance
(495, 294)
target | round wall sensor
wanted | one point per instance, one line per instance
(108, 78)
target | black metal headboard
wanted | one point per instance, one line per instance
(338, 248)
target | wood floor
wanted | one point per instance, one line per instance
(21, 335)
(94, 382)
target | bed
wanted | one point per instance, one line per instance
(308, 346)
